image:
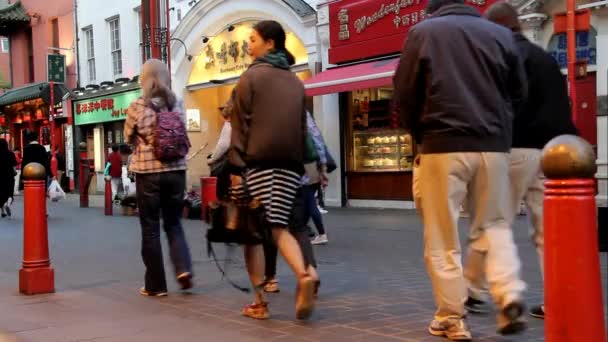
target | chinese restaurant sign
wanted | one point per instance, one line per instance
(104, 108)
(586, 48)
(226, 55)
(363, 29)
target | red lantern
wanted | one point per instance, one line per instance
(45, 122)
(27, 117)
(18, 119)
(39, 114)
(2, 120)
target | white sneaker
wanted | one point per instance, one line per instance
(320, 240)
(453, 329)
(321, 210)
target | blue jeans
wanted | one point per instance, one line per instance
(311, 209)
(162, 193)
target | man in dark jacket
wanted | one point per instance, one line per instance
(544, 115)
(34, 153)
(458, 82)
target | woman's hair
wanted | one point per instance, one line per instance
(156, 84)
(272, 30)
(3, 146)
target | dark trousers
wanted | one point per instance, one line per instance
(320, 195)
(299, 229)
(311, 208)
(162, 193)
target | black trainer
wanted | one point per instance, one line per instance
(510, 319)
(538, 311)
(476, 306)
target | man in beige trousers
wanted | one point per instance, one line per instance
(458, 80)
(544, 115)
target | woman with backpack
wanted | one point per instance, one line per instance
(267, 145)
(160, 176)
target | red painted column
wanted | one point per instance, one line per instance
(108, 196)
(36, 276)
(571, 49)
(573, 291)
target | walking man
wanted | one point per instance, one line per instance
(544, 115)
(458, 82)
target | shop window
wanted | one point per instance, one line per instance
(378, 143)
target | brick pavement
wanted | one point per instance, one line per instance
(375, 287)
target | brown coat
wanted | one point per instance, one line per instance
(269, 120)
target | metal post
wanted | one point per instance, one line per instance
(573, 286)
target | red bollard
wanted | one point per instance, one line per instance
(36, 276)
(108, 196)
(208, 193)
(573, 291)
(83, 176)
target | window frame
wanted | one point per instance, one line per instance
(5, 48)
(115, 45)
(89, 42)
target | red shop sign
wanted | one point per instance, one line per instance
(361, 29)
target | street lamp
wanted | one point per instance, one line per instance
(189, 56)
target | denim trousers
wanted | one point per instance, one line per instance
(162, 194)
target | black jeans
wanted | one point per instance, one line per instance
(299, 229)
(162, 193)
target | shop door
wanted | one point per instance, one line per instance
(586, 90)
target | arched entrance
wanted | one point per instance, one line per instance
(206, 70)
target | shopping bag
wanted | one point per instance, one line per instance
(55, 191)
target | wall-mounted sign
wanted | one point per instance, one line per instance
(55, 68)
(226, 55)
(193, 120)
(586, 48)
(104, 108)
(364, 29)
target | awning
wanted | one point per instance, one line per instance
(353, 77)
(34, 91)
(13, 17)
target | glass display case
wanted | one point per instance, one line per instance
(382, 150)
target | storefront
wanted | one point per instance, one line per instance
(99, 117)
(365, 39)
(27, 109)
(208, 64)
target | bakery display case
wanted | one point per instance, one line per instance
(386, 150)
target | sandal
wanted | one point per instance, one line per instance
(272, 286)
(257, 311)
(305, 301)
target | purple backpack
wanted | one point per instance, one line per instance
(171, 141)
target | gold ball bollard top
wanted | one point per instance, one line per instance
(34, 171)
(82, 146)
(567, 157)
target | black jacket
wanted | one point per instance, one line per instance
(457, 83)
(546, 112)
(34, 153)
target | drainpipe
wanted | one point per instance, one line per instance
(76, 46)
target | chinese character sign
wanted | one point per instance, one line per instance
(104, 109)
(585, 48)
(56, 68)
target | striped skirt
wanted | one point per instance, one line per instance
(275, 189)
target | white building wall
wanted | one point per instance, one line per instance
(92, 14)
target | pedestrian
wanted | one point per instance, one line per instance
(267, 144)
(304, 206)
(219, 158)
(457, 84)
(544, 115)
(160, 185)
(115, 160)
(17, 153)
(34, 153)
(8, 165)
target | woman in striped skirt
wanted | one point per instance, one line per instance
(267, 144)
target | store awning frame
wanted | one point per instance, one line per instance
(371, 74)
(34, 91)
